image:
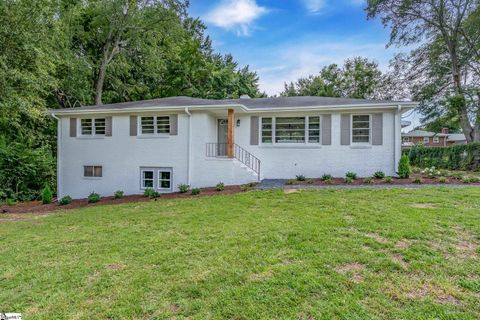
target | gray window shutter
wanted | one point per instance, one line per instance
(326, 129)
(254, 131)
(345, 129)
(377, 129)
(133, 125)
(73, 127)
(173, 124)
(108, 126)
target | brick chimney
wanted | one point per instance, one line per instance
(445, 130)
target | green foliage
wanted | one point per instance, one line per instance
(118, 194)
(47, 195)
(431, 172)
(379, 175)
(151, 193)
(310, 181)
(300, 177)
(93, 197)
(195, 191)
(351, 175)
(183, 188)
(456, 157)
(418, 180)
(388, 180)
(65, 200)
(220, 186)
(326, 177)
(404, 169)
(348, 180)
(368, 180)
(443, 180)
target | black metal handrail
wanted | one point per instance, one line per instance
(220, 150)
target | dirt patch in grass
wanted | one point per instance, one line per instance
(354, 269)
(174, 308)
(398, 258)
(434, 292)
(257, 277)
(403, 244)
(424, 205)
(377, 237)
(288, 191)
(466, 244)
(115, 266)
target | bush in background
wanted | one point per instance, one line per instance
(351, 175)
(326, 177)
(152, 194)
(47, 195)
(300, 177)
(195, 191)
(65, 200)
(404, 169)
(220, 186)
(118, 194)
(457, 157)
(379, 175)
(93, 197)
(183, 187)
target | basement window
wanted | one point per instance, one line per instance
(156, 178)
(92, 171)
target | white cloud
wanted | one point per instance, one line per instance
(314, 6)
(236, 15)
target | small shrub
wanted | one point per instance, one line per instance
(418, 180)
(328, 181)
(118, 194)
(152, 194)
(248, 186)
(10, 202)
(183, 188)
(300, 177)
(93, 197)
(326, 177)
(291, 181)
(368, 180)
(404, 169)
(431, 172)
(416, 170)
(351, 175)
(47, 195)
(310, 181)
(456, 175)
(474, 179)
(195, 191)
(442, 180)
(220, 186)
(379, 175)
(388, 180)
(65, 200)
(251, 184)
(348, 180)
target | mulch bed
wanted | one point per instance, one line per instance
(359, 181)
(37, 207)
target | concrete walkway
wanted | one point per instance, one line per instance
(267, 184)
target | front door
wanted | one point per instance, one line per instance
(222, 137)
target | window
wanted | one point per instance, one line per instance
(426, 139)
(406, 139)
(156, 178)
(436, 139)
(155, 125)
(290, 130)
(164, 180)
(361, 128)
(94, 126)
(92, 171)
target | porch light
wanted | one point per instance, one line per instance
(238, 122)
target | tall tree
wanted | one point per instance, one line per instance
(444, 70)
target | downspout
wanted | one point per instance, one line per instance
(398, 137)
(189, 144)
(59, 136)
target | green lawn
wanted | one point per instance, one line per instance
(320, 254)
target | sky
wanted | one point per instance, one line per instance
(283, 40)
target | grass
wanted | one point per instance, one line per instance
(317, 254)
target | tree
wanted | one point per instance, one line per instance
(444, 70)
(358, 78)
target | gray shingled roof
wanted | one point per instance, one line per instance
(255, 103)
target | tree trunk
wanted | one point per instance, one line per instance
(99, 83)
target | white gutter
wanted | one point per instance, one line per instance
(59, 136)
(189, 144)
(397, 152)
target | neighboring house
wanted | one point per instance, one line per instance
(431, 139)
(164, 142)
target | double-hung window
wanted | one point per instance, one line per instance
(436, 139)
(156, 178)
(290, 130)
(361, 128)
(151, 125)
(426, 140)
(92, 171)
(92, 126)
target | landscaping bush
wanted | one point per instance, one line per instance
(93, 197)
(388, 180)
(183, 188)
(310, 181)
(431, 172)
(457, 157)
(418, 181)
(351, 175)
(152, 194)
(379, 175)
(220, 186)
(326, 177)
(404, 168)
(118, 194)
(47, 195)
(65, 200)
(195, 191)
(368, 180)
(348, 180)
(300, 177)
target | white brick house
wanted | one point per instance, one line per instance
(165, 142)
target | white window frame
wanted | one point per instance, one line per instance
(306, 131)
(93, 176)
(369, 129)
(426, 139)
(436, 139)
(94, 128)
(406, 139)
(156, 177)
(155, 126)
